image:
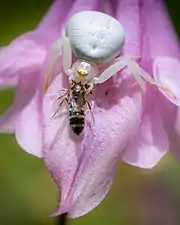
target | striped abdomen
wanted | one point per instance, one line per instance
(76, 118)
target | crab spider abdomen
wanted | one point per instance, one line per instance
(95, 36)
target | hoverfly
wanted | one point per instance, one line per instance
(76, 99)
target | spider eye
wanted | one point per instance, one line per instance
(82, 72)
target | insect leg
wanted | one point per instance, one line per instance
(90, 109)
(63, 98)
(59, 106)
(89, 88)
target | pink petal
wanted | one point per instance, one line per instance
(151, 142)
(166, 73)
(83, 167)
(102, 149)
(81, 5)
(60, 149)
(170, 115)
(161, 44)
(51, 24)
(127, 12)
(8, 82)
(109, 7)
(27, 53)
(128, 16)
(24, 116)
(175, 136)
(8, 120)
(21, 57)
(29, 130)
(161, 36)
(26, 88)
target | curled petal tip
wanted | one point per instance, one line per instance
(166, 74)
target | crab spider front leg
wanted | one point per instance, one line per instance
(137, 72)
(60, 45)
(119, 64)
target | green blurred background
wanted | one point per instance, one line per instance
(27, 192)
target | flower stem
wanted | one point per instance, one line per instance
(62, 219)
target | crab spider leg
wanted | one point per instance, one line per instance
(150, 79)
(147, 77)
(134, 68)
(138, 73)
(119, 64)
(60, 45)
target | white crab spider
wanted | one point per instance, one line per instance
(95, 42)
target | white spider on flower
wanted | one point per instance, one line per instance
(96, 41)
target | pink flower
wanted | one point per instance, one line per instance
(83, 167)
(160, 51)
